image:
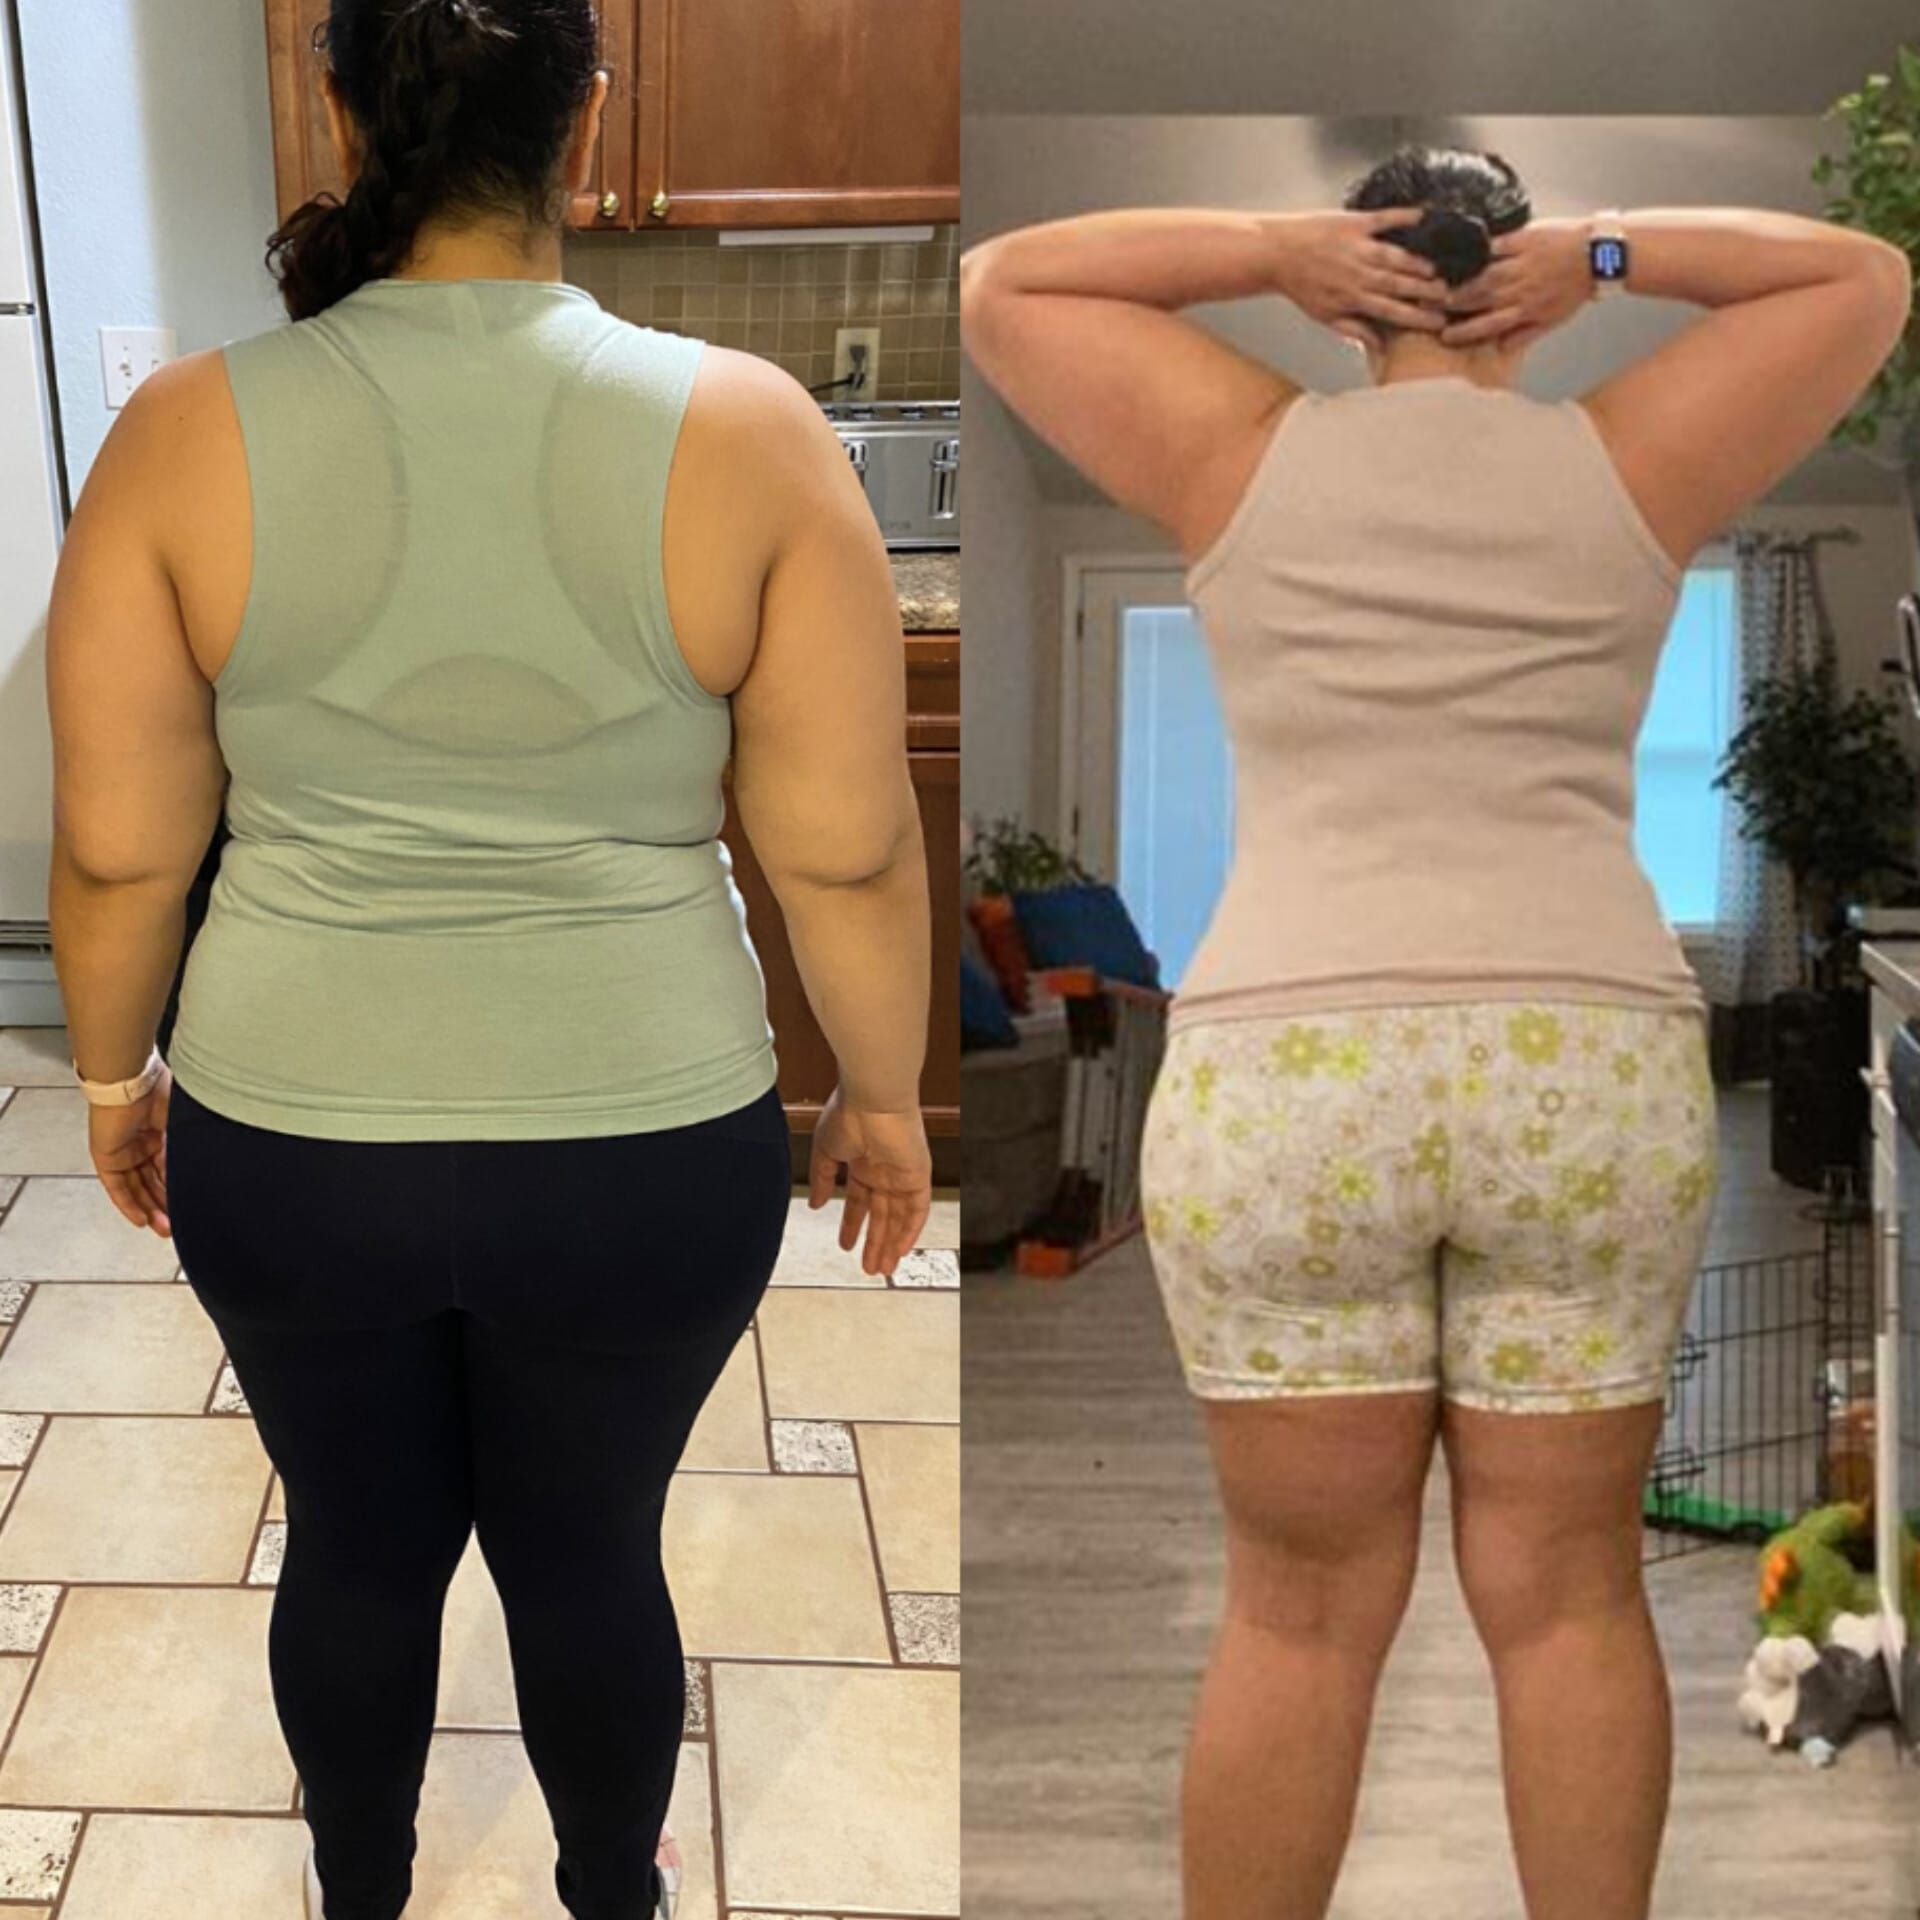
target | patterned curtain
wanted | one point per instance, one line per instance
(1782, 617)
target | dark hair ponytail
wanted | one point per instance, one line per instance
(1468, 197)
(460, 105)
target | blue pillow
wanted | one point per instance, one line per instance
(1085, 926)
(984, 1019)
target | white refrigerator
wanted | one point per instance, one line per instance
(32, 521)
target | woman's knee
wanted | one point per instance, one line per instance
(1301, 1585)
(360, 1548)
(1525, 1575)
(1323, 1501)
(1546, 1517)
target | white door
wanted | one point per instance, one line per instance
(1147, 764)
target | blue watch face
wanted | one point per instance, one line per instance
(1609, 259)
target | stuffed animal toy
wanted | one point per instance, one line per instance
(1771, 1697)
(1909, 1551)
(1818, 1670)
(1806, 1577)
(1849, 1684)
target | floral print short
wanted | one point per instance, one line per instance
(1504, 1199)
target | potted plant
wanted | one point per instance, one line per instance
(1064, 915)
(1007, 858)
(1825, 784)
(1015, 1099)
(1000, 862)
(1878, 190)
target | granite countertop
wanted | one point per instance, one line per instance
(929, 588)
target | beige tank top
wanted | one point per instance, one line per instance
(1434, 617)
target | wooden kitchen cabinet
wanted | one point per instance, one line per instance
(608, 201)
(723, 113)
(303, 155)
(831, 112)
(807, 1066)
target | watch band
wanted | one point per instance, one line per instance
(1607, 254)
(121, 1093)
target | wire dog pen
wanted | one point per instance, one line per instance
(1770, 1398)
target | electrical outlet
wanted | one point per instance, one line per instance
(845, 339)
(129, 354)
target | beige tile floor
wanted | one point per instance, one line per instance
(812, 1544)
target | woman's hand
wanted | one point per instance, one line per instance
(1335, 269)
(1537, 278)
(129, 1149)
(889, 1170)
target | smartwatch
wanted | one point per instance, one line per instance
(1607, 251)
(121, 1093)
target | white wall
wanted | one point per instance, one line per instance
(150, 125)
(1023, 168)
(1002, 579)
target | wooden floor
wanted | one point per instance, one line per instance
(1092, 1580)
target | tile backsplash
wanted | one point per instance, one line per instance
(786, 301)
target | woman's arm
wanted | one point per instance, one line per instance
(824, 791)
(1073, 324)
(1802, 315)
(137, 775)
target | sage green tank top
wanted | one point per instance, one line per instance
(475, 887)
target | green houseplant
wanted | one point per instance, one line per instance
(1005, 857)
(1824, 783)
(1875, 186)
(999, 860)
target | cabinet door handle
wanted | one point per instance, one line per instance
(659, 204)
(609, 205)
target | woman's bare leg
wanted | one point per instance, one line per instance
(1322, 1497)
(1546, 1511)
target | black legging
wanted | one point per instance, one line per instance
(513, 1336)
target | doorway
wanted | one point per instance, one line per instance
(1147, 763)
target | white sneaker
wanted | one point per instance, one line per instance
(668, 1862)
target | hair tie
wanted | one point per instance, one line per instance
(1458, 244)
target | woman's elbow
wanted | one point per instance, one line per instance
(1899, 268)
(1888, 266)
(983, 283)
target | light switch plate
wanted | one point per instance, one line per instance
(129, 354)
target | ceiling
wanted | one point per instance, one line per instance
(1463, 56)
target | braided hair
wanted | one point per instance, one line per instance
(460, 106)
(1468, 198)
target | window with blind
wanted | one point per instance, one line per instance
(1691, 714)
